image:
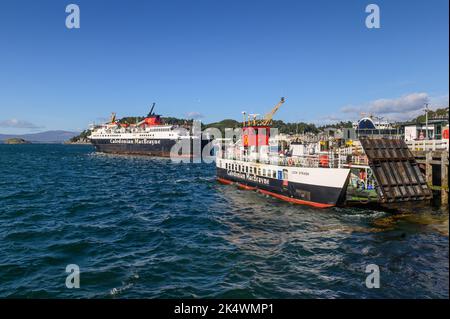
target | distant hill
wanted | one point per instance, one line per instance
(42, 137)
(222, 125)
(16, 141)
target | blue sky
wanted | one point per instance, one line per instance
(216, 58)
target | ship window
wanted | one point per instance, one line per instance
(246, 169)
(274, 174)
(259, 171)
(264, 172)
(268, 173)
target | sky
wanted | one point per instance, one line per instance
(213, 59)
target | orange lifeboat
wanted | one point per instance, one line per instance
(324, 161)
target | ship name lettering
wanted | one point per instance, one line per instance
(249, 177)
(135, 141)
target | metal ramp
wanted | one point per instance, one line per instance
(396, 171)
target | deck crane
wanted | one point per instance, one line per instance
(268, 117)
(257, 132)
(252, 119)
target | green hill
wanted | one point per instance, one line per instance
(438, 113)
(222, 125)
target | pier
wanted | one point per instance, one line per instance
(435, 166)
(432, 156)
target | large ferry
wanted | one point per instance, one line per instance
(147, 137)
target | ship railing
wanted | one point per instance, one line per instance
(324, 160)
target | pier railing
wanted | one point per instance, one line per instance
(428, 145)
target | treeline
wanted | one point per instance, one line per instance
(340, 124)
(286, 128)
(438, 113)
(82, 137)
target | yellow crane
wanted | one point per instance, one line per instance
(268, 117)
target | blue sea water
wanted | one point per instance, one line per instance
(142, 227)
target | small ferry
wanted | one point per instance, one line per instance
(258, 161)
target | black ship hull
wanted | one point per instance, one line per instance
(157, 148)
(298, 193)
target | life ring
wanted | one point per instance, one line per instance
(290, 162)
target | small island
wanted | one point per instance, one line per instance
(16, 140)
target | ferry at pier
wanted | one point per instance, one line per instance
(148, 137)
(257, 162)
(322, 171)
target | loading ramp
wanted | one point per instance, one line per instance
(396, 171)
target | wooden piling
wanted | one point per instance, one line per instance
(429, 169)
(444, 178)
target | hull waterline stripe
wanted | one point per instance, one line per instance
(224, 181)
(295, 200)
(279, 196)
(249, 188)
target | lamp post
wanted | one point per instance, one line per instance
(243, 117)
(426, 121)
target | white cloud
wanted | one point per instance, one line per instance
(439, 101)
(405, 103)
(15, 123)
(402, 108)
(194, 115)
